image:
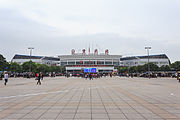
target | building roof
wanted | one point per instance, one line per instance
(35, 57)
(26, 57)
(160, 56)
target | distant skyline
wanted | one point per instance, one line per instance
(125, 27)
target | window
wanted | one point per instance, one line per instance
(108, 62)
(116, 63)
(71, 63)
(63, 63)
(100, 62)
(79, 62)
(89, 62)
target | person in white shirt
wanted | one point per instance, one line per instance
(5, 78)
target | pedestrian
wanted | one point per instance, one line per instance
(90, 76)
(5, 78)
(110, 75)
(86, 75)
(38, 79)
(42, 76)
(1, 76)
(178, 76)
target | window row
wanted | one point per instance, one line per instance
(90, 63)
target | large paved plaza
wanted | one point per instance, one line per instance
(99, 99)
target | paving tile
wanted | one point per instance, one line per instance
(32, 116)
(117, 116)
(150, 116)
(99, 116)
(49, 116)
(15, 116)
(102, 99)
(133, 116)
(83, 116)
(65, 116)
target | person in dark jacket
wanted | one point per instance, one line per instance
(90, 77)
(38, 79)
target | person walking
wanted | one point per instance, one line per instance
(178, 76)
(86, 75)
(38, 79)
(90, 76)
(110, 75)
(42, 76)
(1, 76)
(5, 78)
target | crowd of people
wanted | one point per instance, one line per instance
(151, 75)
(90, 76)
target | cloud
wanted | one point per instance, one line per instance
(55, 27)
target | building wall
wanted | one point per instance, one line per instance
(80, 68)
(21, 61)
(90, 60)
(50, 62)
(136, 62)
(103, 63)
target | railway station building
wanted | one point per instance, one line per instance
(90, 62)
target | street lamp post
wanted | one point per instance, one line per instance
(148, 48)
(30, 48)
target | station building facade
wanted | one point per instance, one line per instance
(100, 63)
(93, 62)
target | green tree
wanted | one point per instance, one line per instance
(175, 65)
(57, 69)
(26, 66)
(133, 69)
(15, 67)
(165, 68)
(123, 69)
(140, 69)
(152, 67)
(4, 65)
(42, 68)
(52, 69)
(62, 69)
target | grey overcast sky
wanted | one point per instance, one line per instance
(125, 27)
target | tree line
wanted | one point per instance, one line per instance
(28, 66)
(153, 67)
